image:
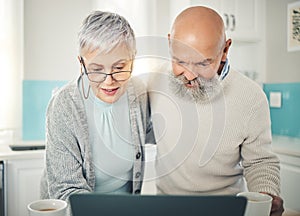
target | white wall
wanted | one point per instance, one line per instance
(139, 13)
(151, 23)
(51, 26)
(282, 66)
(147, 17)
(11, 59)
(50, 38)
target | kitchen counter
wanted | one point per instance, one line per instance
(288, 152)
(290, 213)
(286, 145)
(281, 144)
(6, 153)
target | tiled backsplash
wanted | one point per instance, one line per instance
(286, 119)
(36, 96)
(37, 93)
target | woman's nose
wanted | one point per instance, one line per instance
(108, 79)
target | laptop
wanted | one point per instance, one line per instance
(95, 204)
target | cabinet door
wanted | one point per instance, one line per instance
(244, 19)
(290, 178)
(22, 184)
(214, 4)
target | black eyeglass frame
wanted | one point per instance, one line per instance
(106, 74)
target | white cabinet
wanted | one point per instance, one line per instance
(242, 18)
(22, 184)
(214, 4)
(290, 178)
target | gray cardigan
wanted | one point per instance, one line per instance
(69, 166)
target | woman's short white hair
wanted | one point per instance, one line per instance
(104, 31)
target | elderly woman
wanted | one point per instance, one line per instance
(96, 126)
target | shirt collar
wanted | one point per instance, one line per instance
(225, 70)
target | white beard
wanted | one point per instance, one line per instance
(203, 90)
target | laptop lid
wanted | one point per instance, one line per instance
(95, 204)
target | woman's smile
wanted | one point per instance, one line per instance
(110, 91)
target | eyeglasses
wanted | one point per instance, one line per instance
(99, 77)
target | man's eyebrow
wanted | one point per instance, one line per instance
(204, 61)
(199, 62)
(174, 57)
(178, 59)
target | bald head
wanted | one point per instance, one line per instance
(201, 28)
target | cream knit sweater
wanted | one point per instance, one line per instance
(212, 148)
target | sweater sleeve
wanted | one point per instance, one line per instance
(261, 165)
(143, 97)
(64, 156)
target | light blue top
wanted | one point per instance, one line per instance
(69, 162)
(111, 143)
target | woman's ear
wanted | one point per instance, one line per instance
(81, 64)
(79, 59)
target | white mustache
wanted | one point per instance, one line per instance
(202, 89)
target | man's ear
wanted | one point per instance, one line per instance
(169, 36)
(226, 48)
(227, 45)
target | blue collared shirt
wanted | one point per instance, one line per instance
(225, 70)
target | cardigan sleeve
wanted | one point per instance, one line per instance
(143, 97)
(64, 156)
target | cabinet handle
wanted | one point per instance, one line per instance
(226, 21)
(233, 22)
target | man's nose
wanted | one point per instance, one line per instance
(190, 74)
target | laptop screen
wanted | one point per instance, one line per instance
(95, 204)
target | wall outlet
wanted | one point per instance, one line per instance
(275, 99)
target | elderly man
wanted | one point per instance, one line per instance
(212, 124)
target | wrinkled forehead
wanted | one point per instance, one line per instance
(187, 52)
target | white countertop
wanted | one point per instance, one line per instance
(286, 145)
(7, 154)
(281, 144)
